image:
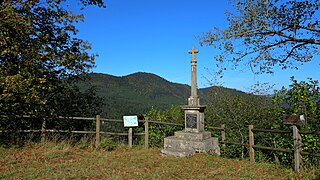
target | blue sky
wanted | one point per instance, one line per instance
(154, 36)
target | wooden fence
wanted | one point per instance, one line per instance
(98, 121)
(297, 151)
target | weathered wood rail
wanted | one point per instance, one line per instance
(98, 121)
(297, 151)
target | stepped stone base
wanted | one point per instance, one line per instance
(184, 144)
(177, 152)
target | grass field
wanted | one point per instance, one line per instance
(62, 161)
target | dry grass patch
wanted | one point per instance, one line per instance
(52, 161)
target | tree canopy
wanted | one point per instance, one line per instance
(262, 34)
(39, 54)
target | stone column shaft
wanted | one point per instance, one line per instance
(194, 79)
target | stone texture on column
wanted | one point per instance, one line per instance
(193, 99)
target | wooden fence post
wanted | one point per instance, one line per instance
(146, 133)
(297, 149)
(97, 130)
(251, 143)
(223, 133)
(43, 130)
(130, 137)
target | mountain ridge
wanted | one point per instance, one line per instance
(137, 93)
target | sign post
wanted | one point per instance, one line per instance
(130, 121)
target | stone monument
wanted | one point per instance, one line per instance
(193, 138)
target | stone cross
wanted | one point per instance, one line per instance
(193, 52)
(193, 138)
(193, 100)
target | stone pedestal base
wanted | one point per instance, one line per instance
(184, 144)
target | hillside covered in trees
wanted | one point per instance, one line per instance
(137, 93)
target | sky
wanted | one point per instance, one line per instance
(154, 36)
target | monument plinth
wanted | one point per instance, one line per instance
(193, 138)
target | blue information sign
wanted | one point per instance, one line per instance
(130, 121)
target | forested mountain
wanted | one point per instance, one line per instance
(137, 93)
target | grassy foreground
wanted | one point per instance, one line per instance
(52, 161)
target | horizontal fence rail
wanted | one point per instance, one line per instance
(97, 131)
(271, 130)
(297, 141)
(236, 143)
(273, 149)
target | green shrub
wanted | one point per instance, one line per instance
(107, 143)
(157, 132)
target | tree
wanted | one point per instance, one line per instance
(263, 34)
(237, 110)
(300, 98)
(39, 54)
